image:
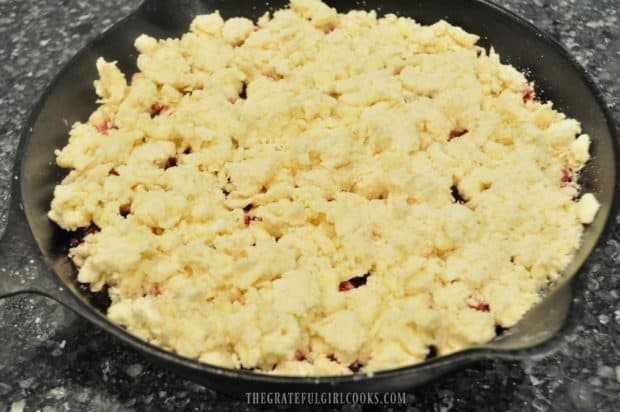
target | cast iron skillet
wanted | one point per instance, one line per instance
(33, 250)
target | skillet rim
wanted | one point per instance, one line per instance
(455, 360)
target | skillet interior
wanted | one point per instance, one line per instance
(71, 98)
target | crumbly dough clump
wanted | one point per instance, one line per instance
(319, 192)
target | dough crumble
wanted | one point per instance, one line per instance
(321, 193)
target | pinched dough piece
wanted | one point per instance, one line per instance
(587, 208)
(343, 331)
(237, 29)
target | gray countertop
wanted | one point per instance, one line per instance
(53, 360)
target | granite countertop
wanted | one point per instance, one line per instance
(53, 360)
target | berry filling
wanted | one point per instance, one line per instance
(353, 283)
(528, 94)
(171, 162)
(105, 126)
(432, 352)
(81, 233)
(157, 108)
(566, 179)
(124, 210)
(355, 366)
(248, 217)
(457, 132)
(478, 305)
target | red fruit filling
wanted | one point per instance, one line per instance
(458, 132)
(93, 228)
(105, 126)
(478, 305)
(344, 286)
(355, 366)
(353, 283)
(157, 108)
(81, 233)
(566, 178)
(248, 217)
(124, 210)
(528, 94)
(73, 242)
(171, 162)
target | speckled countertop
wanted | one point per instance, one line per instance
(53, 360)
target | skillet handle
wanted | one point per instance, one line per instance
(22, 269)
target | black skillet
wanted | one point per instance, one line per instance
(33, 250)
